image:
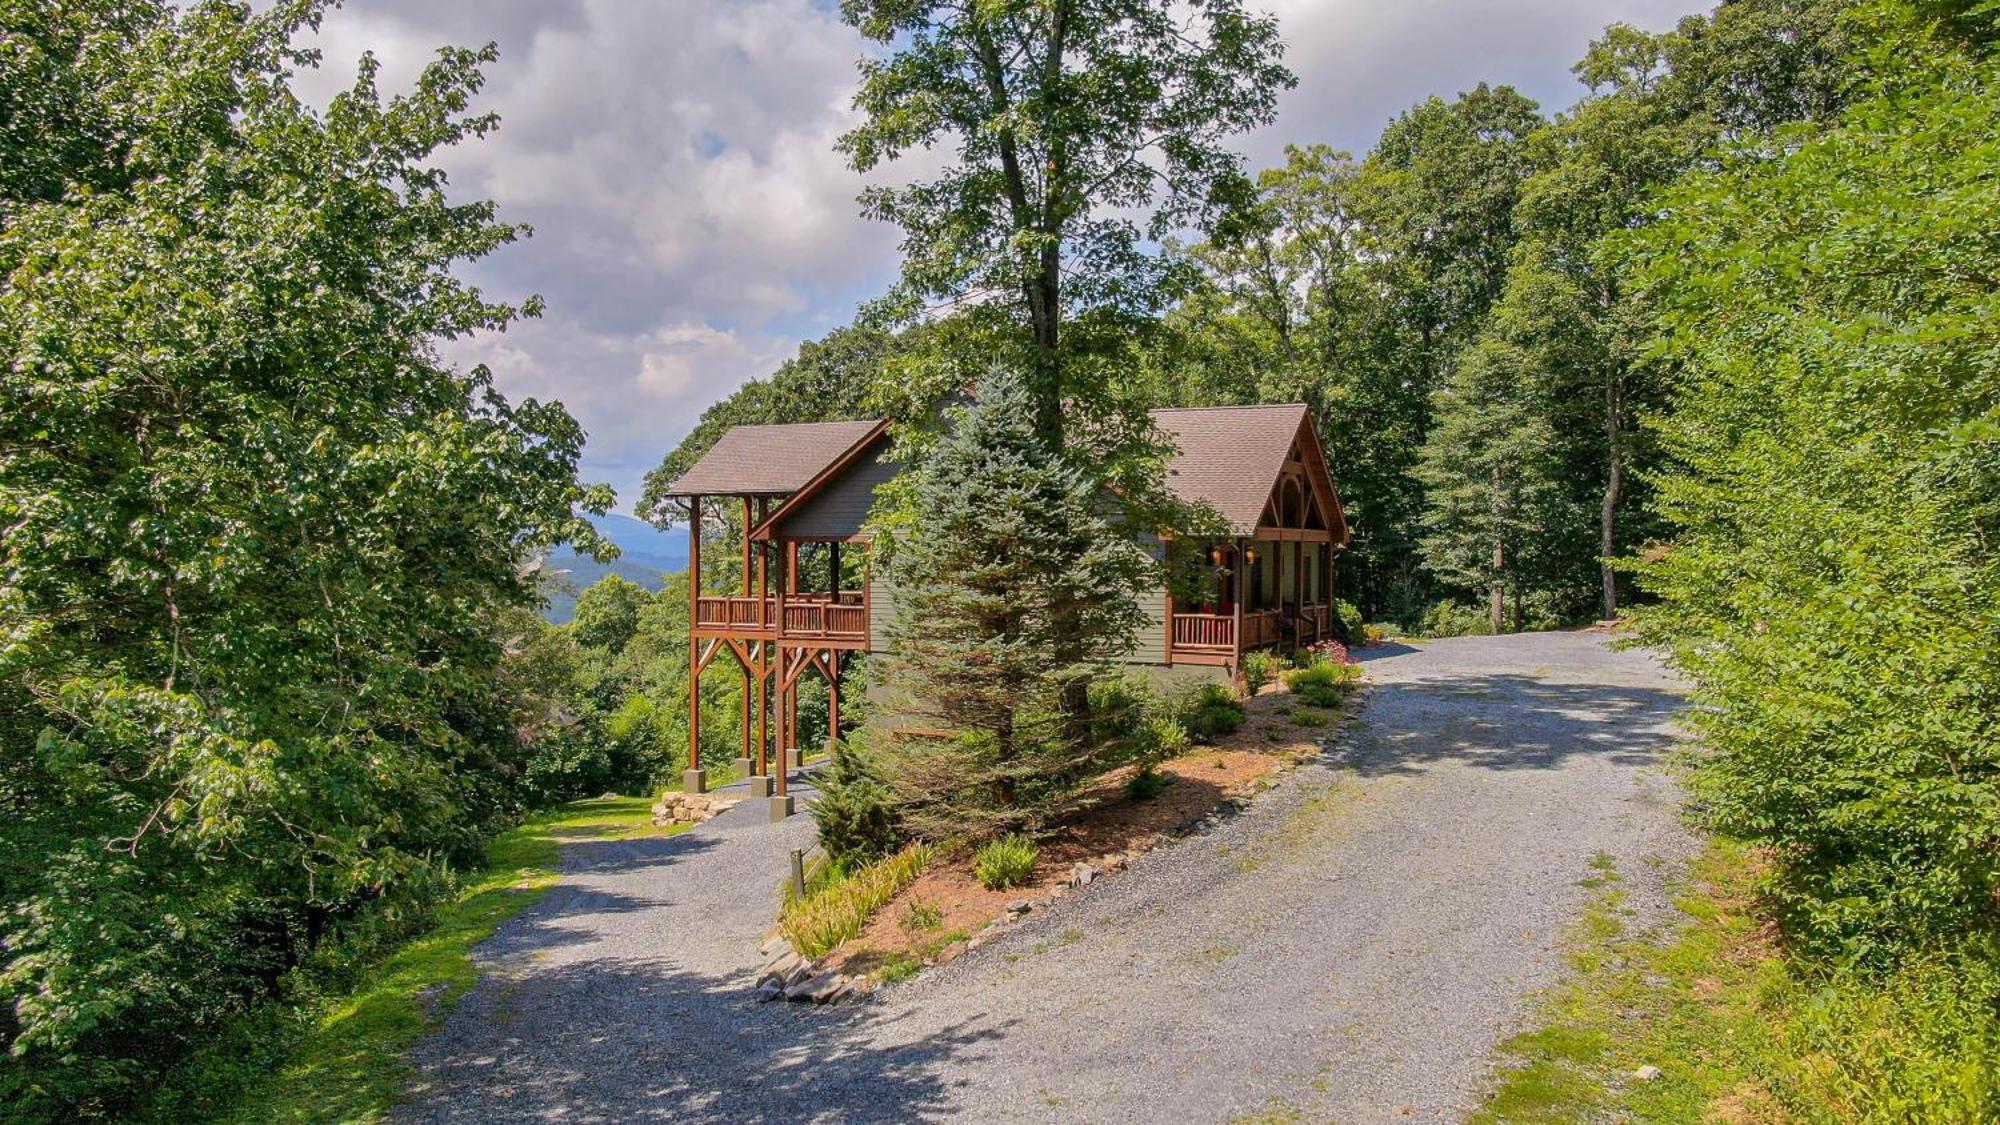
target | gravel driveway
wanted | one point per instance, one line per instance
(1349, 949)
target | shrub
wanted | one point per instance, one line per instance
(1117, 706)
(1347, 623)
(1373, 634)
(1006, 862)
(1259, 668)
(1146, 784)
(856, 812)
(1455, 619)
(1163, 737)
(1325, 684)
(840, 908)
(922, 917)
(1209, 713)
(1327, 652)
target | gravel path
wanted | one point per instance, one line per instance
(1349, 949)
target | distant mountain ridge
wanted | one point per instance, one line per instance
(645, 556)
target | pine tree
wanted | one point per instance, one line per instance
(1489, 470)
(1013, 586)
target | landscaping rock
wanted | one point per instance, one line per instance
(1082, 875)
(1019, 907)
(822, 989)
(770, 990)
(689, 808)
(1646, 1074)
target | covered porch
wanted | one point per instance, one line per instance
(1261, 593)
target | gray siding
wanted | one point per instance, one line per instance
(1152, 646)
(881, 610)
(840, 508)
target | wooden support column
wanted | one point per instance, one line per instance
(1298, 580)
(1241, 580)
(832, 701)
(694, 781)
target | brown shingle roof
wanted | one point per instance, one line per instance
(769, 460)
(1229, 456)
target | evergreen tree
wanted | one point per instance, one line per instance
(1489, 471)
(1013, 587)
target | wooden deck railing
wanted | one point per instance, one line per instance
(1216, 632)
(842, 616)
(735, 612)
(825, 620)
(1210, 632)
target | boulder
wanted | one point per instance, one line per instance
(822, 989)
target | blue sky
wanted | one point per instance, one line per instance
(692, 221)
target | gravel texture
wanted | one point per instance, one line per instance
(1351, 948)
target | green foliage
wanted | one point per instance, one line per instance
(840, 907)
(1006, 862)
(1323, 684)
(1147, 783)
(1454, 619)
(607, 613)
(1489, 470)
(1209, 712)
(1348, 626)
(1012, 590)
(1118, 706)
(1163, 737)
(855, 810)
(1064, 120)
(1827, 298)
(334, 1047)
(260, 539)
(1738, 1031)
(1260, 667)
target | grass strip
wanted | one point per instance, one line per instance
(347, 1062)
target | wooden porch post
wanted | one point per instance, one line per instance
(1240, 580)
(1299, 583)
(694, 781)
(784, 764)
(832, 701)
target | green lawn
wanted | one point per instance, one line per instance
(348, 1065)
(1738, 1033)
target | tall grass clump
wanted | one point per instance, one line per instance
(841, 906)
(1006, 862)
(1323, 684)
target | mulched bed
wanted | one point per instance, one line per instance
(1109, 830)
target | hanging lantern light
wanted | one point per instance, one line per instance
(1215, 556)
(1250, 555)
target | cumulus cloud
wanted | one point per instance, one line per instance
(692, 221)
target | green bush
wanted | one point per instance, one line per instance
(1834, 590)
(1209, 713)
(1347, 624)
(1455, 619)
(855, 811)
(1118, 706)
(1163, 737)
(1325, 684)
(1006, 862)
(1146, 784)
(1259, 668)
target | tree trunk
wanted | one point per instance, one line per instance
(1607, 522)
(1499, 606)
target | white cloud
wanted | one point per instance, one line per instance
(692, 219)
